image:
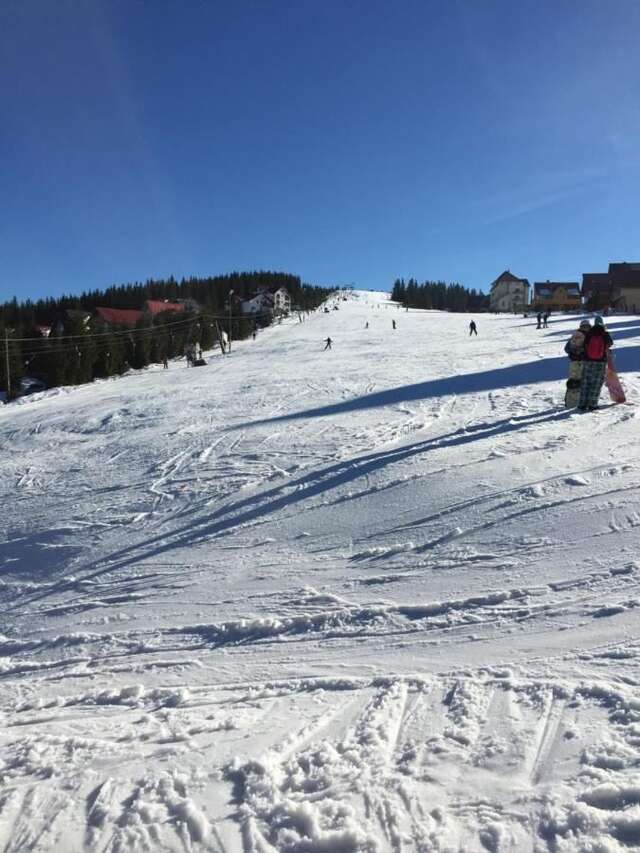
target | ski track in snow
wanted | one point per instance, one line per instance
(383, 598)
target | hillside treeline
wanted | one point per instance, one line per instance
(78, 351)
(438, 295)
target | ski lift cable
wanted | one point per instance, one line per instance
(135, 331)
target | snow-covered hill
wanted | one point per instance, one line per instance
(384, 597)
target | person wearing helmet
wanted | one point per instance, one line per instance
(574, 348)
(597, 343)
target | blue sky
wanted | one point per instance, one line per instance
(347, 142)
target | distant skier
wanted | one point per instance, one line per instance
(165, 363)
(473, 330)
(393, 323)
(366, 325)
(327, 344)
(539, 326)
(597, 343)
(545, 319)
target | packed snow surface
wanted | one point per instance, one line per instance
(380, 598)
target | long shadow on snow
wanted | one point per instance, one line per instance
(306, 486)
(619, 331)
(530, 373)
(575, 318)
(35, 556)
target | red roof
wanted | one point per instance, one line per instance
(119, 316)
(625, 275)
(156, 306)
(598, 282)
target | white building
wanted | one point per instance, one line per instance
(255, 305)
(281, 301)
(509, 293)
(268, 302)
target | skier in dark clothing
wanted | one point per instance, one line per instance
(597, 342)
(539, 326)
(473, 329)
(328, 344)
(393, 322)
(545, 319)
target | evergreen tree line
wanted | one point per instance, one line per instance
(438, 295)
(78, 351)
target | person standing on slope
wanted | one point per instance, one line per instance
(597, 343)
(393, 324)
(574, 348)
(473, 329)
(327, 344)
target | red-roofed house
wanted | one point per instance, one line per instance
(625, 279)
(597, 291)
(119, 316)
(158, 306)
(619, 288)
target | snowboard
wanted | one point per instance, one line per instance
(611, 380)
(572, 395)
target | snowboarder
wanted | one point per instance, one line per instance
(597, 342)
(574, 348)
(473, 329)
(539, 326)
(327, 344)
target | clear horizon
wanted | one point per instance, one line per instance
(345, 143)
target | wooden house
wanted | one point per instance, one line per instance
(556, 296)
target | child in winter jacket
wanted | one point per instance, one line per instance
(574, 348)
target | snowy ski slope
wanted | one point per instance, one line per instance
(381, 598)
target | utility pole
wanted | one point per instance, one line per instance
(220, 341)
(230, 295)
(6, 352)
